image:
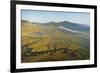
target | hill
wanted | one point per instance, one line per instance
(54, 41)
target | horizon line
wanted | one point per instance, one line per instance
(54, 22)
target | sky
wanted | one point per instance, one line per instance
(55, 16)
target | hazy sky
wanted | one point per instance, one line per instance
(49, 16)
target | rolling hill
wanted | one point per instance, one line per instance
(54, 41)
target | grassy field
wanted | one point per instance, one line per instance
(41, 43)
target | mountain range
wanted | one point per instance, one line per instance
(65, 25)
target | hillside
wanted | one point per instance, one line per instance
(49, 42)
(70, 25)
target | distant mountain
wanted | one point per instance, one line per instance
(75, 26)
(65, 24)
(51, 24)
(70, 25)
(26, 23)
